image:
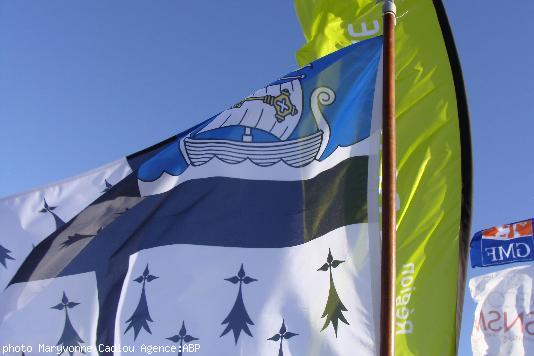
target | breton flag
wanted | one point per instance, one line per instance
(504, 314)
(252, 233)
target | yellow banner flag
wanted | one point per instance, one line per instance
(434, 158)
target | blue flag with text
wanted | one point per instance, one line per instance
(503, 244)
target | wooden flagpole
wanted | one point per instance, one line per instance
(389, 186)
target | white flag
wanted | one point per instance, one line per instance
(504, 316)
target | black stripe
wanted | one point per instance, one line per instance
(466, 157)
(213, 211)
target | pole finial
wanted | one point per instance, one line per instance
(389, 7)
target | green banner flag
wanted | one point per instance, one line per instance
(434, 158)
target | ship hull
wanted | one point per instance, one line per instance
(295, 153)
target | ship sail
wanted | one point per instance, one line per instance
(275, 109)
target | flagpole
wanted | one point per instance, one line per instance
(389, 169)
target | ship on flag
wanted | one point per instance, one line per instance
(254, 232)
(267, 119)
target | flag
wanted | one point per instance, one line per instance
(503, 322)
(433, 159)
(254, 232)
(503, 244)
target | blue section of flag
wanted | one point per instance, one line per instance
(349, 117)
(350, 73)
(490, 252)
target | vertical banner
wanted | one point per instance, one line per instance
(434, 159)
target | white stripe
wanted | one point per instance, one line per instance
(191, 287)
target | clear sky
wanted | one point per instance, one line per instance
(86, 82)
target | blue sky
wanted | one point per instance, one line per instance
(86, 82)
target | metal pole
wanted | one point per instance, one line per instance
(389, 169)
